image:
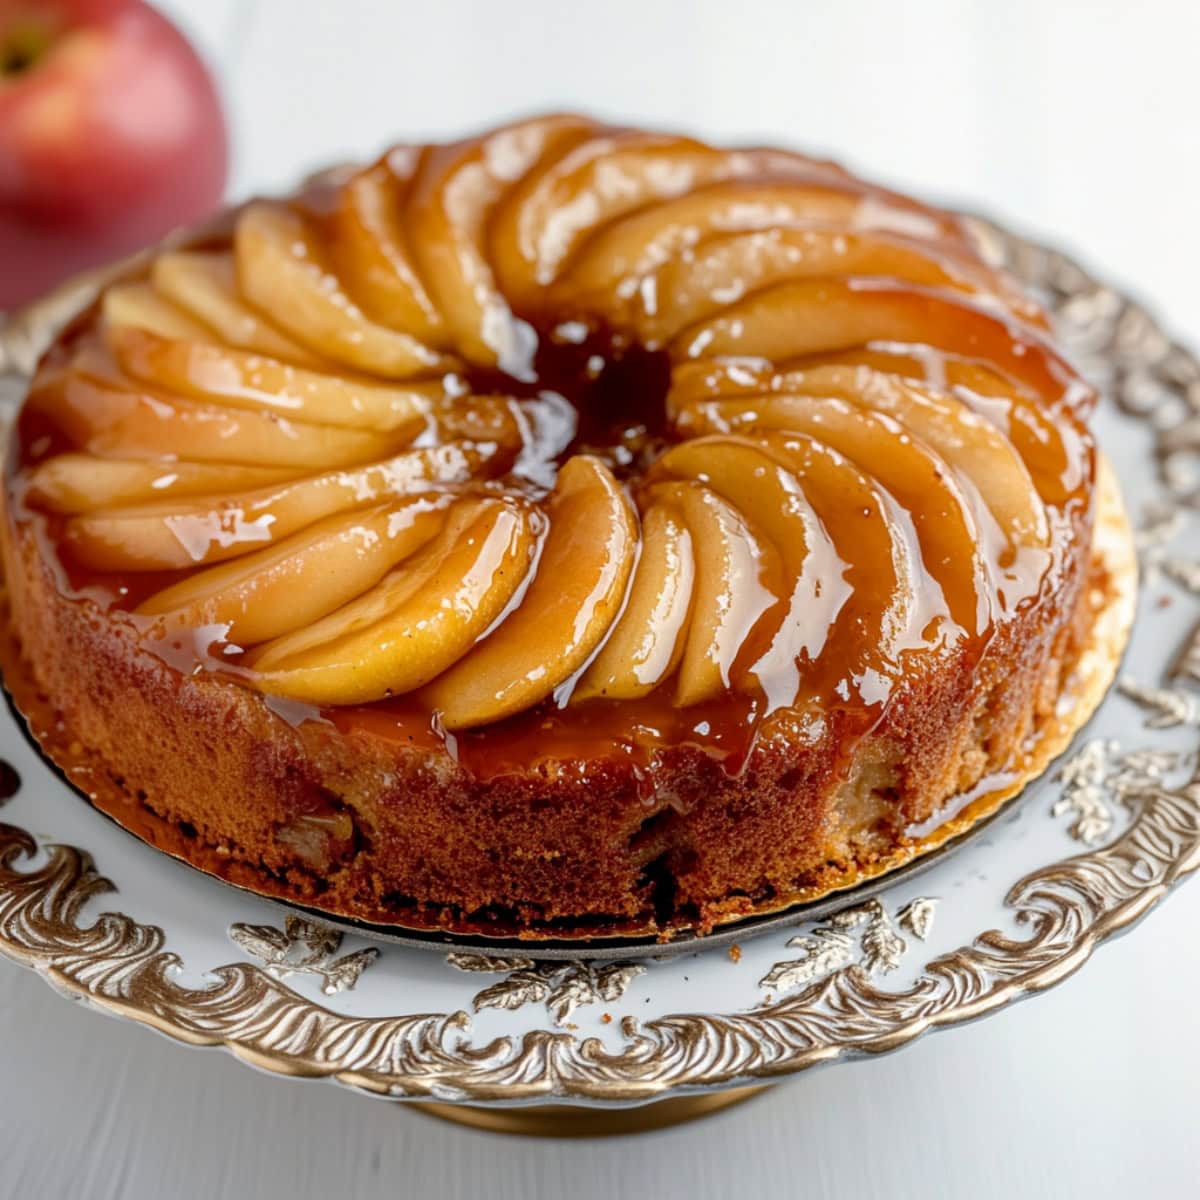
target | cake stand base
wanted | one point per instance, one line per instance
(570, 1120)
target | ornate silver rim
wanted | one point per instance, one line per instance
(1068, 907)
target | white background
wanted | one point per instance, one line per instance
(1074, 120)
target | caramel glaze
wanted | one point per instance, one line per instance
(871, 522)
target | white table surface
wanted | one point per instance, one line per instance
(1076, 121)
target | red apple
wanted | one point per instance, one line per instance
(111, 135)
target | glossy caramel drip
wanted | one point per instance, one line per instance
(562, 438)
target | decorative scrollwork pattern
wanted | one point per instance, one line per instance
(561, 986)
(304, 947)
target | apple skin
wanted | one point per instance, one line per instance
(111, 135)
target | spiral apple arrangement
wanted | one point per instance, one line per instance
(328, 440)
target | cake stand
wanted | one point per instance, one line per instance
(510, 1037)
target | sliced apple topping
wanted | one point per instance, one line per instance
(690, 288)
(890, 602)
(76, 483)
(550, 210)
(573, 598)
(204, 284)
(370, 246)
(1052, 445)
(976, 451)
(753, 483)
(646, 643)
(128, 421)
(739, 579)
(168, 537)
(768, 496)
(301, 578)
(928, 366)
(821, 316)
(374, 435)
(223, 375)
(497, 419)
(408, 629)
(1013, 454)
(612, 261)
(282, 269)
(141, 306)
(921, 482)
(448, 207)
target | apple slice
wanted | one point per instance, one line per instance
(893, 599)
(646, 643)
(695, 382)
(204, 284)
(767, 494)
(370, 247)
(167, 537)
(612, 260)
(981, 457)
(139, 305)
(723, 269)
(422, 618)
(891, 603)
(111, 419)
(744, 195)
(813, 316)
(739, 580)
(282, 269)
(481, 419)
(447, 210)
(570, 603)
(598, 179)
(76, 483)
(934, 368)
(222, 375)
(754, 484)
(919, 480)
(303, 577)
(1055, 446)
